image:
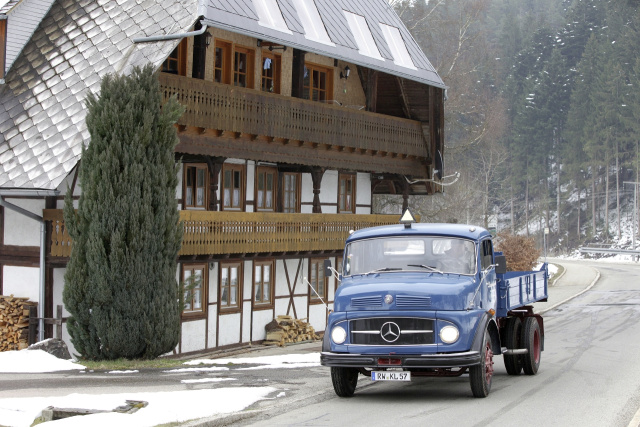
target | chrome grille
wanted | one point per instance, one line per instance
(413, 331)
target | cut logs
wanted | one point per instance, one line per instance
(286, 329)
(14, 322)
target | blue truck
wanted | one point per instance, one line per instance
(430, 300)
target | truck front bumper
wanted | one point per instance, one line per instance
(442, 360)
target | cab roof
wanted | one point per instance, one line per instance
(446, 230)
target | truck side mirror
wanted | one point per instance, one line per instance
(328, 270)
(501, 264)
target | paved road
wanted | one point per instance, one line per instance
(589, 373)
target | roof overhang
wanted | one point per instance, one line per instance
(232, 22)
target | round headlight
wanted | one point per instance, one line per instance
(338, 335)
(449, 334)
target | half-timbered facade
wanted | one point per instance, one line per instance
(297, 113)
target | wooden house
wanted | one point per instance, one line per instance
(297, 113)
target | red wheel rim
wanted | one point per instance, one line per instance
(488, 363)
(536, 347)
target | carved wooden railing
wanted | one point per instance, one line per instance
(217, 233)
(222, 107)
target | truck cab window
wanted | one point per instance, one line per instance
(487, 254)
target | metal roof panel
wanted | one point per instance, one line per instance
(374, 11)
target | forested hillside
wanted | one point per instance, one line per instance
(542, 114)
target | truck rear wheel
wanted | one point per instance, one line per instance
(344, 381)
(481, 375)
(532, 341)
(513, 332)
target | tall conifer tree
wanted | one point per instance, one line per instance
(120, 283)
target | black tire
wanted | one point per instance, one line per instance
(513, 333)
(532, 341)
(480, 376)
(344, 381)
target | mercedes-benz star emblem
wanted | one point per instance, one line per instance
(388, 299)
(390, 332)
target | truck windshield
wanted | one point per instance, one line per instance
(428, 254)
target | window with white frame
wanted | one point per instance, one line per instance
(263, 283)
(194, 286)
(317, 280)
(230, 286)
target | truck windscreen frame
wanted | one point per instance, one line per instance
(412, 253)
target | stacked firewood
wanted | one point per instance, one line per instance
(286, 329)
(14, 322)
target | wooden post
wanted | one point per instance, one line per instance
(33, 324)
(59, 322)
(297, 73)
(316, 178)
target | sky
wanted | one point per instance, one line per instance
(164, 407)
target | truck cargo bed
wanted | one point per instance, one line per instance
(519, 288)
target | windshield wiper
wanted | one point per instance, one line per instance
(428, 267)
(383, 269)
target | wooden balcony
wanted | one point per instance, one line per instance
(218, 233)
(395, 144)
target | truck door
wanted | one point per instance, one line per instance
(490, 297)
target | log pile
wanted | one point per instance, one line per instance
(286, 329)
(14, 322)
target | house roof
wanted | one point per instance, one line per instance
(23, 17)
(241, 16)
(42, 103)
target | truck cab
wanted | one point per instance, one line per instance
(419, 300)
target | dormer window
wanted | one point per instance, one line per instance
(270, 16)
(314, 28)
(398, 48)
(361, 32)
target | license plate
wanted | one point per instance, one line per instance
(390, 376)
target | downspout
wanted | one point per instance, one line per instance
(43, 235)
(170, 36)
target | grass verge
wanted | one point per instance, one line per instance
(127, 364)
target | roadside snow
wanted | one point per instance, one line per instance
(34, 361)
(163, 408)
(267, 362)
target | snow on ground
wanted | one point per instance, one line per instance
(266, 362)
(164, 407)
(30, 361)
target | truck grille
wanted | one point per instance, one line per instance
(404, 301)
(362, 302)
(392, 331)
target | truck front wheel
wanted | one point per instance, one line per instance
(344, 381)
(480, 375)
(532, 341)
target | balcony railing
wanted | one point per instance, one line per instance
(222, 107)
(217, 233)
